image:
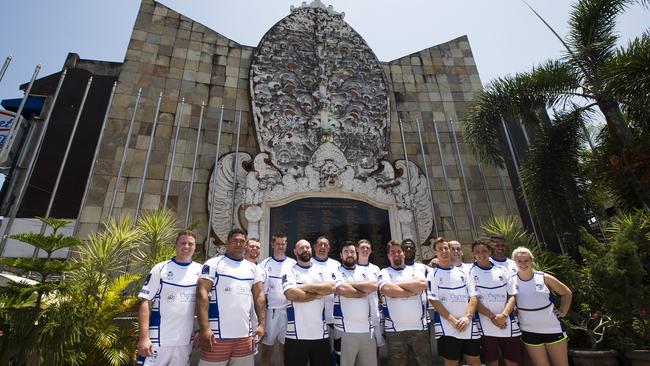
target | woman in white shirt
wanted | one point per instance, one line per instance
(542, 330)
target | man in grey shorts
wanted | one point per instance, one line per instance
(352, 309)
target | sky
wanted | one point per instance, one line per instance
(505, 36)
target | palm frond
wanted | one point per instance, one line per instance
(550, 175)
(592, 35)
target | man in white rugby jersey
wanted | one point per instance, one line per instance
(500, 254)
(305, 286)
(405, 310)
(225, 289)
(352, 309)
(496, 301)
(457, 255)
(321, 259)
(166, 313)
(364, 250)
(276, 313)
(454, 297)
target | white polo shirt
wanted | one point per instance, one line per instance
(171, 287)
(229, 311)
(306, 320)
(353, 315)
(403, 313)
(330, 265)
(452, 287)
(273, 285)
(493, 285)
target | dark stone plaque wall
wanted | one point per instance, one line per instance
(337, 218)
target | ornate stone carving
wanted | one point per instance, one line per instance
(314, 79)
(220, 193)
(320, 106)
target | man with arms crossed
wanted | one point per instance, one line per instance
(453, 295)
(321, 259)
(166, 313)
(225, 289)
(405, 310)
(276, 314)
(364, 248)
(305, 285)
(496, 289)
(352, 309)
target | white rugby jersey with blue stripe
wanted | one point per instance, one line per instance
(354, 315)
(231, 296)
(506, 263)
(403, 313)
(329, 265)
(494, 284)
(452, 287)
(306, 320)
(171, 287)
(273, 284)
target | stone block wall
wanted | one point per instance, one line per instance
(181, 58)
(434, 86)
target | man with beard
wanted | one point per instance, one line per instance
(276, 314)
(453, 295)
(225, 289)
(352, 309)
(305, 285)
(500, 254)
(405, 316)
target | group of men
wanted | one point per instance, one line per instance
(315, 309)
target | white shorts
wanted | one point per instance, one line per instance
(168, 355)
(276, 326)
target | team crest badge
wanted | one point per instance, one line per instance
(205, 270)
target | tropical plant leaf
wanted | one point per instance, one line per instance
(48, 243)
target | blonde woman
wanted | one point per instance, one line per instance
(542, 330)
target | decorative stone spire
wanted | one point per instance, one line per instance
(319, 5)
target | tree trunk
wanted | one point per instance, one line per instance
(618, 126)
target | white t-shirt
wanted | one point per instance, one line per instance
(375, 313)
(171, 287)
(306, 320)
(494, 285)
(231, 295)
(353, 315)
(453, 288)
(330, 265)
(535, 308)
(507, 263)
(273, 285)
(403, 313)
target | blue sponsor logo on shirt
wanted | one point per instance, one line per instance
(284, 279)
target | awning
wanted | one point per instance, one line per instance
(33, 106)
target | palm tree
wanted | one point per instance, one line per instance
(598, 75)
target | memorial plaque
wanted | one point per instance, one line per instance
(337, 218)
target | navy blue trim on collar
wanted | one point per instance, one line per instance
(184, 264)
(304, 267)
(363, 265)
(233, 259)
(349, 269)
(397, 269)
(277, 260)
(320, 260)
(446, 268)
(484, 268)
(500, 260)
